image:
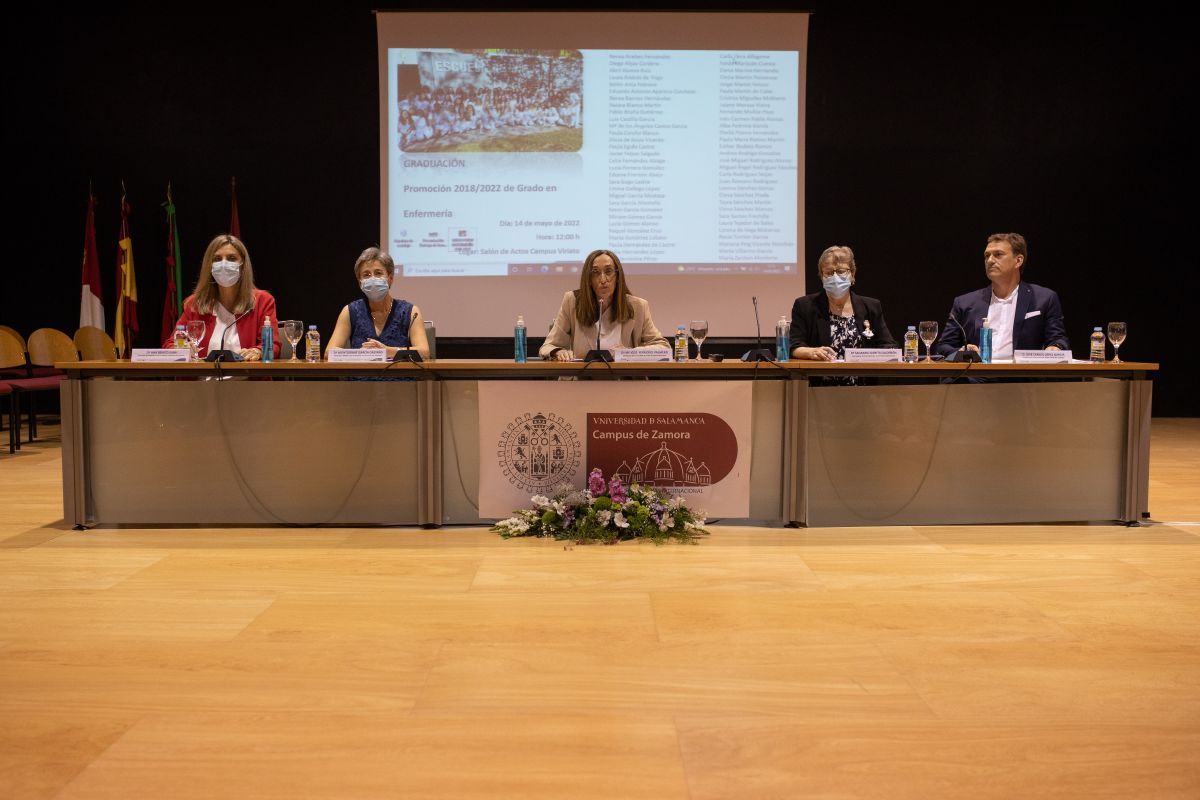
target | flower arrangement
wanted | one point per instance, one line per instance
(606, 512)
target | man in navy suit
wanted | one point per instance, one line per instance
(1022, 316)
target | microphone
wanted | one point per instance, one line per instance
(597, 354)
(223, 354)
(963, 355)
(758, 353)
(407, 354)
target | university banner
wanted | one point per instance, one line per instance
(689, 438)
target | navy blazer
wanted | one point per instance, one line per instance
(1037, 323)
(810, 321)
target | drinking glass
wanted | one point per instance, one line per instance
(293, 329)
(195, 332)
(1116, 335)
(698, 328)
(928, 331)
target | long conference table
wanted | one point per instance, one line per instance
(293, 443)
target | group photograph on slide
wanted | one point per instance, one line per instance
(491, 101)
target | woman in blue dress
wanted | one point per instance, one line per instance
(378, 319)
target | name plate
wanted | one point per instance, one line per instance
(363, 355)
(871, 355)
(1041, 356)
(641, 354)
(161, 355)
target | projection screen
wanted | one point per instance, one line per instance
(513, 144)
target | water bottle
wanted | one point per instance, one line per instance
(681, 354)
(783, 332)
(180, 340)
(312, 345)
(985, 343)
(910, 345)
(268, 341)
(1097, 354)
(519, 354)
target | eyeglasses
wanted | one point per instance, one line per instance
(841, 272)
(608, 273)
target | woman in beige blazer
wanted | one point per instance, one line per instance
(626, 320)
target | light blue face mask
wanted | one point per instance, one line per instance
(374, 288)
(836, 285)
(226, 273)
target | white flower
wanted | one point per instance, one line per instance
(668, 522)
(620, 521)
(539, 501)
(603, 518)
(514, 525)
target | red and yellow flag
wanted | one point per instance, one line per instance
(126, 326)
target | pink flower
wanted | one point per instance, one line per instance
(616, 490)
(596, 482)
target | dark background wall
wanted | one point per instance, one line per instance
(925, 134)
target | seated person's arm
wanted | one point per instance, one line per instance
(883, 336)
(650, 335)
(951, 335)
(798, 340)
(416, 335)
(341, 332)
(558, 341)
(1056, 330)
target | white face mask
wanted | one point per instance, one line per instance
(226, 273)
(836, 285)
(374, 288)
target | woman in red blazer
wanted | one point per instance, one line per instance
(226, 299)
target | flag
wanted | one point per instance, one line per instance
(91, 310)
(126, 326)
(173, 302)
(235, 227)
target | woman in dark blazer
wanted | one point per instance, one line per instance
(827, 322)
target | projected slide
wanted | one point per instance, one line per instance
(516, 163)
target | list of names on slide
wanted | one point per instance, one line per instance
(639, 108)
(755, 159)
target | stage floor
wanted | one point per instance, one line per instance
(901, 662)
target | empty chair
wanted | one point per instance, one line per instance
(15, 334)
(12, 357)
(7, 394)
(20, 369)
(94, 344)
(431, 335)
(46, 347)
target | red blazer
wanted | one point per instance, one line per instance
(249, 326)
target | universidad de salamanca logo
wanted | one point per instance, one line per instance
(538, 451)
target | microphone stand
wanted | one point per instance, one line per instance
(597, 354)
(759, 353)
(223, 354)
(963, 355)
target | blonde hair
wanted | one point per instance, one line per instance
(208, 291)
(838, 254)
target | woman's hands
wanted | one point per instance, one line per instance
(816, 353)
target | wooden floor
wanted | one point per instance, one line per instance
(940, 662)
